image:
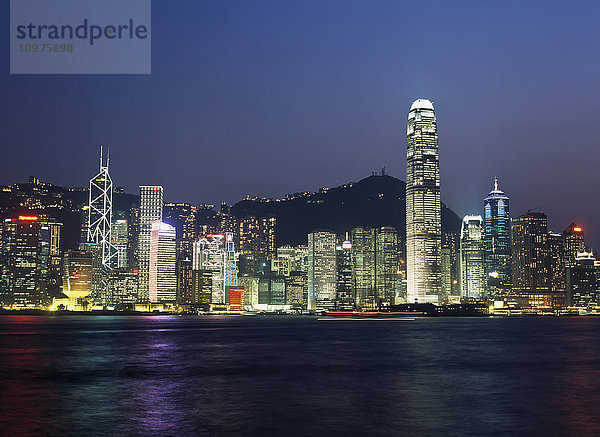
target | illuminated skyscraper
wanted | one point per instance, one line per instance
(77, 273)
(162, 276)
(362, 241)
(216, 254)
(574, 244)
(496, 214)
(472, 279)
(321, 270)
(99, 223)
(151, 206)
(120, 241)
(257, 237)
(345, 295)
(531, 283)
(583, 289)
(387, 263)
(24, 262)
(556, 250)
(423, 204)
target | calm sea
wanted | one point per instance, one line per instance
(287, 376)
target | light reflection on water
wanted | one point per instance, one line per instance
(297, 376)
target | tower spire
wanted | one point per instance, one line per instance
(495, 183)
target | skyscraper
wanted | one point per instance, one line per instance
(531, 283)
(574, 244)
(162, 277)
(423, 204)
(387, 263)
(321, 270)
(151, 206)
(583, 289)
(362, 241)
(24, 262)
(120, 241)
(99, 223)
(472, 279)
(216, 254)
(496, 214)
(345, 296)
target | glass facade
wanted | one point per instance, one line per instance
(497, 241)
(423, 204)
(472, 279)
(151, 208)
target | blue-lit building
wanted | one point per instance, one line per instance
(496, 216)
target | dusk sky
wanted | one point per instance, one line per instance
(272, 97)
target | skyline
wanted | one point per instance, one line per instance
(277, 89)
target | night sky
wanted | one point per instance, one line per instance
(271, 97)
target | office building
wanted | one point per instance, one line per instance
(423, 204)
(321, 270)
(151, 208)
(162, 277)
(344, 286)
(386, 266)
(100, 210)
(362, 242)
(583, 288)
(24, 263)
(531, 263)
(573, 241)
(472, 278)
(496, 215)
(120, 241)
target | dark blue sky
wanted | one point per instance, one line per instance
(271, 97)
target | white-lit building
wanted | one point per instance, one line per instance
(471, 259)
(217, 254)
(162, 276)
(423, 204)
(321, 270)
(151, 206)
(120, 241)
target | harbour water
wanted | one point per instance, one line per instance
(169, 375)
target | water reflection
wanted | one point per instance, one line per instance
(296, 376)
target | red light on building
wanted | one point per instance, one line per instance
(236, 299)
(577, 229)
(135, 271)
(28, 218)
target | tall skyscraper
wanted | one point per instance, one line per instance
(151, 206)
(583, 289)
(472, 279)
(162, 276)
(496, 214)
(257, 237)
(423, 204)
(345, 295)
(387, 263)
(449, 263)
(120, 241)
(24, 262)
(77, 273)
(531, 282)
(574, 244)
(362, 240)
(321, 270)
(556, 250)
(216, 254)
(99, 223)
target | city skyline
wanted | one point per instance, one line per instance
(333, 112)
